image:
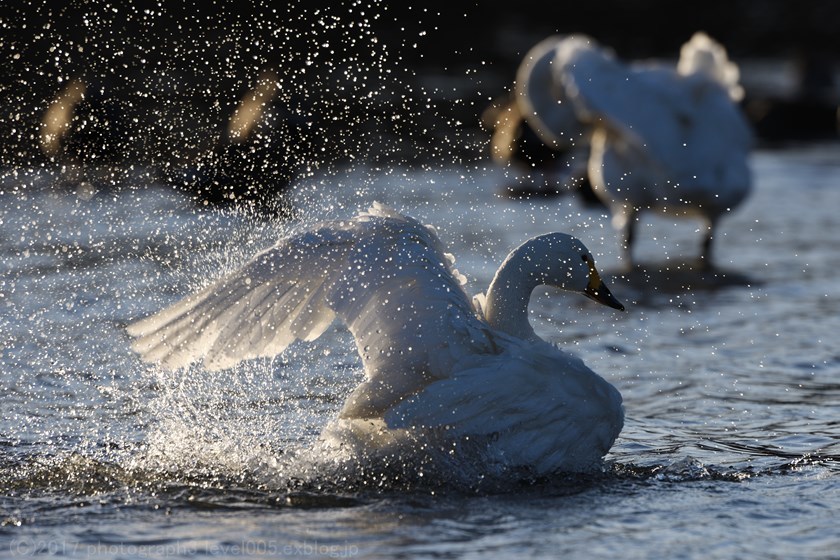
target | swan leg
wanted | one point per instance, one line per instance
(631, 218)
(706, 248)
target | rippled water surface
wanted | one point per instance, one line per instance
(731, 383)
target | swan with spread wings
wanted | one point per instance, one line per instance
(435, 360)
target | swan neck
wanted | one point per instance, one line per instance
(508, 298)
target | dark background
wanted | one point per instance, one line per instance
(169, 74)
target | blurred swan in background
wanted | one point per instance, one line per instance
(437, 364)
(83, 132)
(657, 137)
(56, 121)
(544, 163)
(249, 163)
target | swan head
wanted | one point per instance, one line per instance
(563, 261)
(554, 259)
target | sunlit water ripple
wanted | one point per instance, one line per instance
(732, 390)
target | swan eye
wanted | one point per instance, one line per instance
(585, 258)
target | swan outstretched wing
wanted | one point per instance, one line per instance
(258, 310)
(384, 275)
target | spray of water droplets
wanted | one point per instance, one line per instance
(257, 113)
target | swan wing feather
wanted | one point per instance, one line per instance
(383, 274)
(255, 311)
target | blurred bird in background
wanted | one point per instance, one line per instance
(647, 136)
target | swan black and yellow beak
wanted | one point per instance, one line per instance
(602, 295)
(596, 290)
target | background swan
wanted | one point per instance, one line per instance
(436, 364)
(670, 139)
(544, 163)
(249, 164)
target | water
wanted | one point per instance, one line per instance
(731, 446)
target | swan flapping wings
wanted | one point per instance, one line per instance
(383, 274)
(433, 363)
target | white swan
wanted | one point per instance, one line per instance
(660, 138)
(433, 362)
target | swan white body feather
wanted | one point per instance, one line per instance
(432, 361)
(669, 139)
